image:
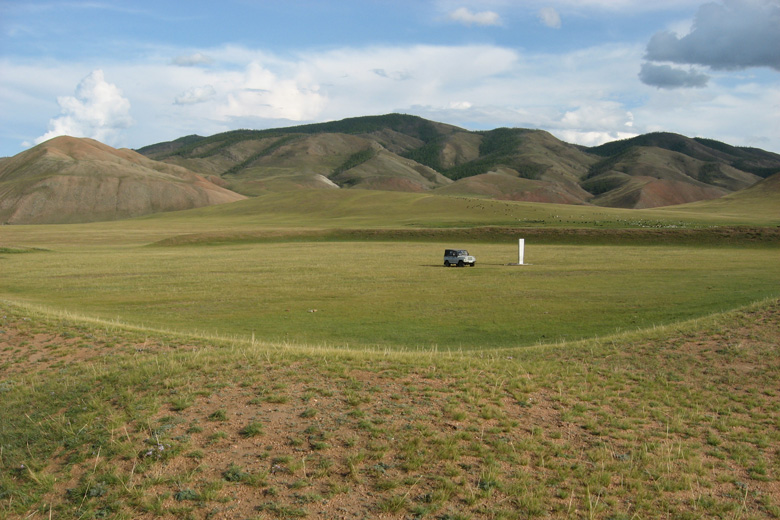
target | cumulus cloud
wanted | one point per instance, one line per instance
(595, 123)
(666, 76)
(195, 95)
(192, 60)
(550, 17)
(467, 17)
(264, 94)
(732, 35)
(604, 114)
(475, 86)
(98, 110)
(460, 105)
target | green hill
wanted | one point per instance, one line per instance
(407, 153)
(761, 199)
(77, 180)
(752, 160)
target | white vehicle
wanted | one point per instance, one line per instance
(459, 257)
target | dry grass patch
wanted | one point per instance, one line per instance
(685, 424)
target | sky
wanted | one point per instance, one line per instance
(131, 74)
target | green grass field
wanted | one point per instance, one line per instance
(369, 264)
(308, 356)
(394, 295)
(309, 211)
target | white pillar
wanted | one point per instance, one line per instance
(520, 251)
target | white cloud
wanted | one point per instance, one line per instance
(596, 123)
(604, 114)
(592, 138)
(432, 75)
(98, 110)
(196, 95)
(476, 86)
(473, 86)
(264, 94)
(616, 5)
(550, 17)
(742, 116)
(467, 17)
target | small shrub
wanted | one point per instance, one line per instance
(179, 404)
(282, 511)
(234, 473)
(219, 415)
(186, 494)
(252, 429)
(308, 413)
(392, 504)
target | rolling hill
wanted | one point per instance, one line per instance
(763, 198)
(80, 180)
(407, 153)
(70, 180)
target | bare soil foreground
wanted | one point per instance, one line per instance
(102, 422)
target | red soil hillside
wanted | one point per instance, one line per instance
(67, 179)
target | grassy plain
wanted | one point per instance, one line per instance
(397, 295)
(369, 264)
(321, 211)
(175, 367)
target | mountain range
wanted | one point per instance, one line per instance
(78, 180)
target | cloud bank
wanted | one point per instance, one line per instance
(98, 110)
(733, 35)
(586, 96)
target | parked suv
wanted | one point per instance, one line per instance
(459, 257)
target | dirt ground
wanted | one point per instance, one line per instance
(309, 438)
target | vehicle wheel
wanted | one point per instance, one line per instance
(472, 264)
(446, 263)
(460, 263)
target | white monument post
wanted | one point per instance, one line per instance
(520, 252)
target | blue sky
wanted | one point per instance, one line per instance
(588, 71)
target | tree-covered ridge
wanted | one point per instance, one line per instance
(169, 146)
(356, 159)
(262, 153)
(497, 147)
(428, 154)
(753, 160)
(683, 169)
(609, 162)
(413, 126)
